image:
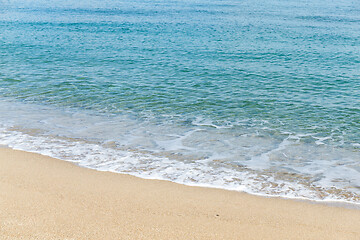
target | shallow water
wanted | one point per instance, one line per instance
(258, 97)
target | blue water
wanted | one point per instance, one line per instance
(262, 97)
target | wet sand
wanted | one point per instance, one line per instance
(46, 198)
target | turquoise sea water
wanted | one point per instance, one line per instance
(262, 97)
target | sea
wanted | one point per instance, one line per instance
(261, 97)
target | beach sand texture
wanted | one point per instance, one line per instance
(45, 198)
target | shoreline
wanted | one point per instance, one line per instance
(336, 203)
(46, 198)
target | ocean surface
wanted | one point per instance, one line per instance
(255, 96)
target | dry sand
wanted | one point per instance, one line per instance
(45, 198)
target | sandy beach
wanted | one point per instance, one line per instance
(46, 198)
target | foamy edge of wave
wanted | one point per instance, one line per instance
(146, 166)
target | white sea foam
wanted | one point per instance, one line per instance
(195, 154)
(197, 173)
